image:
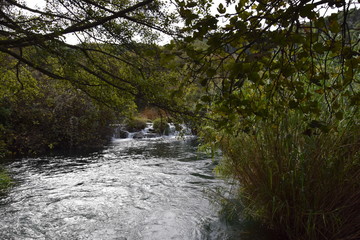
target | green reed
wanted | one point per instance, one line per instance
(304, 185)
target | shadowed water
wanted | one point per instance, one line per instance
(136, 189)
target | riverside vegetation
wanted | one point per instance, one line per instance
(273, 84)
(5, 180)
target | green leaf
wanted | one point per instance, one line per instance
(319, 48)
(205, 98)
(204, 82)
(199, 107)
(254, 76)
(240, 5)
(320, 22)
(307, 11)
(287, 71)
(315, 80)
(293, 104)
(316, 124)
(192, 4)
(334, 25)
(221, 9)
(339, 115)
(210, 72)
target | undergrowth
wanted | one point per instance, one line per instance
(304, 185)
(5, 180)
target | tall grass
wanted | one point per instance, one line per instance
(303, 185)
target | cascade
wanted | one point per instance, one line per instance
(120, 131)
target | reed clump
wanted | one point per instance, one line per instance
(304, 185)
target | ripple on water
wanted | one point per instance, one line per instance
(147, 189)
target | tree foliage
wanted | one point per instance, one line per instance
(44, 115)
(113, 54)
(243, 71)
(280, 86)
(265, 57)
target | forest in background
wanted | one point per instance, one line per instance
(273, 84)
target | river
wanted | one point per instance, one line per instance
(135, 189)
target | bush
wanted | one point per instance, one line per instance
(304, 185)
(135, 124)
(57, 118)
(161, 126)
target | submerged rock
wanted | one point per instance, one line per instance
(138, 135)
(123, 134)
(120, 132)
(152, 135)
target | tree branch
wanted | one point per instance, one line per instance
(33, 39)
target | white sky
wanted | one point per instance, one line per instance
(72, 38)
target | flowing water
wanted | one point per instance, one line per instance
(135, 189)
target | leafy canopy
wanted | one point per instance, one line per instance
(262, 59)
(115, 54)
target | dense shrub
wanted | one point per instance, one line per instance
(304, 184)
(135, 124)
(54, 117)
(161, 126)
(3, 146)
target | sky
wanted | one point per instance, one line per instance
(72, 39)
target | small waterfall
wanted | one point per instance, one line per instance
(185, 131)
(172, 129)
(179, 130)
(120, 131)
